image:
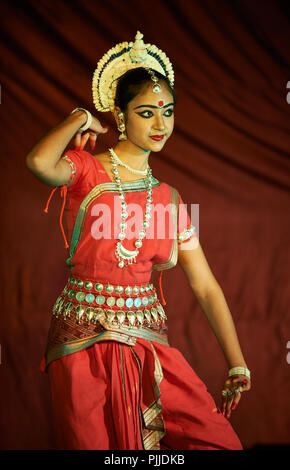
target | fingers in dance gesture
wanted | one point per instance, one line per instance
(91, 134)
(232, 392)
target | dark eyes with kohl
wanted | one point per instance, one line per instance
(144, 114)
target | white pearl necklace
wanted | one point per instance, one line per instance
(132, 170)
(126, 257)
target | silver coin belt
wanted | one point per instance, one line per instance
(117, 305)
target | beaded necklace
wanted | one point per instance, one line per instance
(126, 257)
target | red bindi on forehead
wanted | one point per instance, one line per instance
(160, 103)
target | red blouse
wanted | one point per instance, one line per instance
(93, 213)
(92, 209)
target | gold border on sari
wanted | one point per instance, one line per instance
(127, 336)
(154, 429)
(172, 260)
(139, 185)
(96, 192)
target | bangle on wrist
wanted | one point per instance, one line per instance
(240, 370)
(89, 119)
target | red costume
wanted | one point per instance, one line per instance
(116, 383)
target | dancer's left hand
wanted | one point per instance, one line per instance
(230, 402)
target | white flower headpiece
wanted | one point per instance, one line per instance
(118, 60)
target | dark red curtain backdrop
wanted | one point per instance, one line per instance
(229, 154)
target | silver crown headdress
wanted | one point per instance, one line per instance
(121, 58)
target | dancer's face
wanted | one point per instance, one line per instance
(150, 114)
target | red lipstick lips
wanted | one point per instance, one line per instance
(157, 137)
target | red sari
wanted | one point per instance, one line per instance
(118, 384)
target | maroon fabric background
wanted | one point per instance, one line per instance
(229, 154)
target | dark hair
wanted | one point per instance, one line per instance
(131, 83)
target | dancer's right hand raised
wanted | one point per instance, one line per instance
(91, 134)
(44, 159)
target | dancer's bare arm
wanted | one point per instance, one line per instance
(44, 159)
(213, 303)
(211, 299)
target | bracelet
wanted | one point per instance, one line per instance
(240, 370)
(89, 119)
(73, 169)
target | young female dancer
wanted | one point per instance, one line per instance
(115, 381)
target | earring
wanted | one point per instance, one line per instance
(121, 126)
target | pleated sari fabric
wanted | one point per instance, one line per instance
(112, 396)
(125, 389)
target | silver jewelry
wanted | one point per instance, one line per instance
(229, 392)
(156, 87)
(239, 371)
(132, 170)
(126, 257)
(89, 119)
(121, 126)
